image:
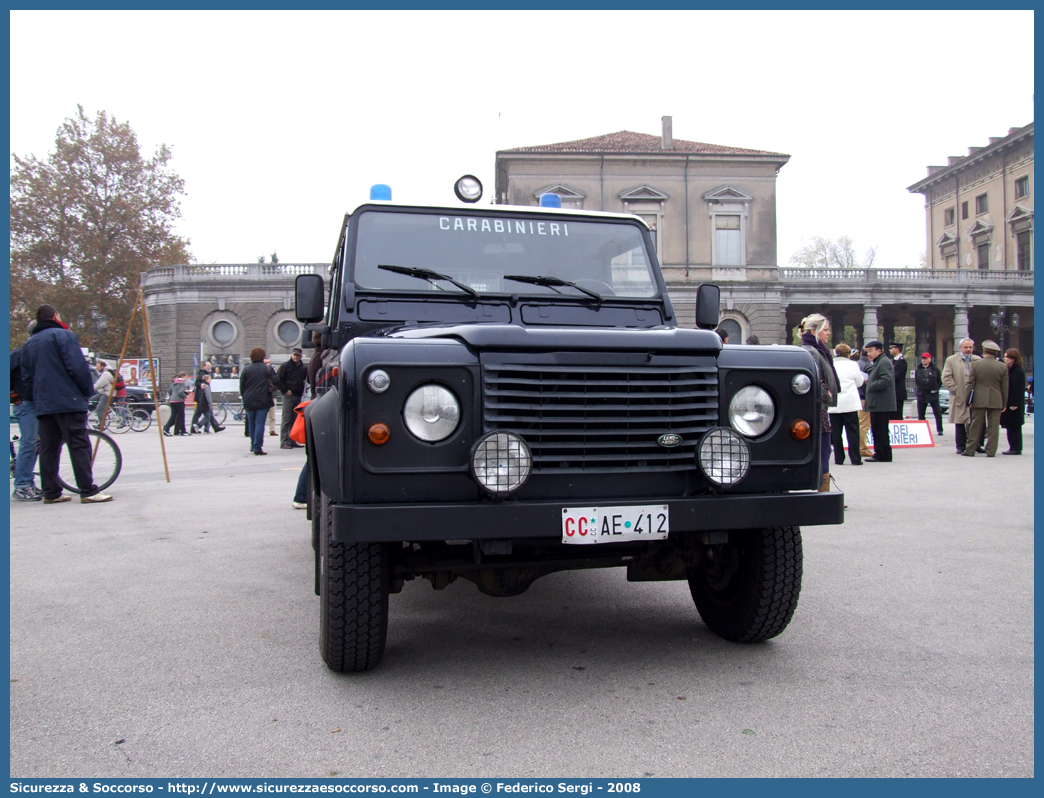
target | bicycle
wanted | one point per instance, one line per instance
(106, 456)
(222, 410)
(120, 418)
(115, 422)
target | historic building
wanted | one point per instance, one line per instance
(712, 208)
(979, 207)
(221, 312)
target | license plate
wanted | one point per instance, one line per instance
(615, 524)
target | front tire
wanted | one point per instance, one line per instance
(746, 590)
(105, 466)
(353, 599)
(140, 420)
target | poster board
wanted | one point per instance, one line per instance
(135, 371)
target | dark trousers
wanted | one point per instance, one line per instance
(879, 429)
(962, 431)
(200, 410)
(922, 410)
(849, 424)
(177, 418)
(1015, 439)
(255, 425)
(70, 429)
(288, 418)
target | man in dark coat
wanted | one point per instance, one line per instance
(989, 396)
(290, 380)
(61, 384)
(880, 401)
(928, 381)
(895, 351)
(195, 426)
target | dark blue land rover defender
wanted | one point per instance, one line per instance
(507, 393)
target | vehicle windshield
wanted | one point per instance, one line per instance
(480, 251)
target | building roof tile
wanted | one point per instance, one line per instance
(626, 141)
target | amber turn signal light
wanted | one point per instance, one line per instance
(379, 433)
(800, 430)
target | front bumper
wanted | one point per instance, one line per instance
(389, 523)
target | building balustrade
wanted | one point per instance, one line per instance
(215, 271)
(870, 276)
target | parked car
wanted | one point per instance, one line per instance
(944, 400)
(138, 396)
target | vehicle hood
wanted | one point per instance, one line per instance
(512, 336)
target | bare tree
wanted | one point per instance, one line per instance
(828, 253)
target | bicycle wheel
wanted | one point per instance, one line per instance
(116, 422)
(221, 414)
(140, 420)
(107, 462)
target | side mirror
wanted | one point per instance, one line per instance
(308, 298)
(708, 299)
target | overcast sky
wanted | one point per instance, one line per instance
(280, 121)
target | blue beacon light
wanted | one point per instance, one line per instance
(550, 201)
(381, 192)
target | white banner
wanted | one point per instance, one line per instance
(905, 434)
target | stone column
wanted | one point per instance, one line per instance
(837, 326)
(869, 323)
(887, 332)
(922, 342)
(960, 325)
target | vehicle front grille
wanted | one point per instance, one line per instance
(600, 413)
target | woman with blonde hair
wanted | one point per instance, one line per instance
(815, 333)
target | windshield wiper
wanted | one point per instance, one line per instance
(430, 276)
(552, 282)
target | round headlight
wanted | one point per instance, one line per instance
(501, 462)
(432, 413)
(723, 456)
(468, 189)
(800, 384)
(751, 411)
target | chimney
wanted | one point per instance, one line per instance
(667, 143)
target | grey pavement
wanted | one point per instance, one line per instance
(174, 633)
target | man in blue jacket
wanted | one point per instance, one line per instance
(54, 367)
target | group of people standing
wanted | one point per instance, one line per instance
(863, 391)
(985, 395)
(258, 383)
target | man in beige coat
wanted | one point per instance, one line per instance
(989, 391)
(956, 372)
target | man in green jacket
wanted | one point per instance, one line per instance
(988, 383)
